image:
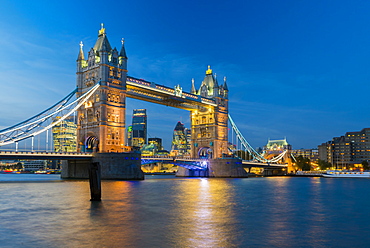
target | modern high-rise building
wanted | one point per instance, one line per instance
(139, 128)
(148, 149)
(179, 141)
(65, 135)
(129, 135)
(188, 139)
(348, 150)
(156, 141)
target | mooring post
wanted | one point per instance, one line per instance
(95, 182)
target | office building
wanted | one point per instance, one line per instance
(312, 154)
(65, 135)
(179, 141)
(188, 139)
(129, 135)
(157, 142)
(148, 149)
(139, 128)
(34, 165)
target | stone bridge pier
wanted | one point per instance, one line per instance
(120, 166)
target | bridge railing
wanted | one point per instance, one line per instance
(173, 157)
(46, 153)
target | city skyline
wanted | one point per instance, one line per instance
(294, 70)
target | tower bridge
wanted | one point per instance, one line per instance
(103, 85)
(101, 120)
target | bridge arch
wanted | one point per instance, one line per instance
(205, 152)
(91, 144)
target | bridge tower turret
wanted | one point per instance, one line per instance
(209, 125)
(122, 57)
(101, 121)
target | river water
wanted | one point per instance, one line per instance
(165, 211)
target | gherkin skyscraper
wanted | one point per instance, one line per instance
(179, 141)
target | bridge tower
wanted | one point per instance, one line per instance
(209, 125)
(101, 121)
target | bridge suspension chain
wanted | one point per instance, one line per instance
(244, 143)
(46, 119)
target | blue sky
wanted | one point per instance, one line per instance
(295, 69)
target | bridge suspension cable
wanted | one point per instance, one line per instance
(245, 144)
(46, 119)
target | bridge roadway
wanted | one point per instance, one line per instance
(46, 155)
(248, 164)
(190, 163)
(198, 164)
(176, 160)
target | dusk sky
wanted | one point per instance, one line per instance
(295, 69)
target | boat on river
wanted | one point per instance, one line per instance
(345, 174)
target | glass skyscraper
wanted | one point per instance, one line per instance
(64, 135)
(156, 141)
(139, 128)
(179, 140)
(188, 139)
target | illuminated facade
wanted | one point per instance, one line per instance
(64, 135)
(209, 124)
(101, 121)
(149, 149)
(34, 165)
(179, 141)
(157, 142)
(139, 127)
(188, 140)
(275, 147)
(129, 135)
(312, 154)
(347, 151)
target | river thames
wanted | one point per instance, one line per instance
(165, 211)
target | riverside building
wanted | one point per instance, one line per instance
(347, 151)
(312, 154)
(34, 165)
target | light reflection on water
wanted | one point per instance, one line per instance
(181, 212)
(205, 213)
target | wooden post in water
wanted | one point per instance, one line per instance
(95, 182)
